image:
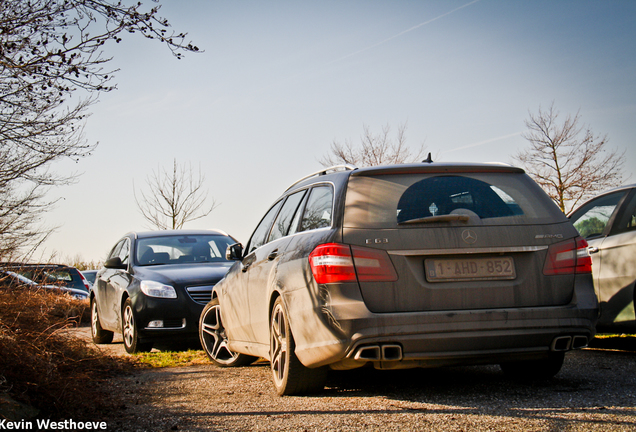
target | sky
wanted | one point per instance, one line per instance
(280, 81)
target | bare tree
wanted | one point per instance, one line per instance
(374, 149)
(49, 49)
(174, 198)
(567, 159)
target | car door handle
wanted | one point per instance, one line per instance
(593, 249)
(272, 255)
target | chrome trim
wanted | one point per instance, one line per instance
(325, 171)
(197, 291)
(462, 251)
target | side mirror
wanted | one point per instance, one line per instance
(234, 252)
(115, 263)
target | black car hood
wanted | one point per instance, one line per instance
(184, 274)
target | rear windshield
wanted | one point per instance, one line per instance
(55, 276)
(386, 201)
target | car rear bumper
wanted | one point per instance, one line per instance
(344, 334)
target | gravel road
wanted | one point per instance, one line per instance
(595, 391)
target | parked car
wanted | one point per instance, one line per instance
(52, 274)
(608, 223)
(11, 279)
(154, 286)
(405, 266)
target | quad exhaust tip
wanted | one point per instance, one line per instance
(387, 352)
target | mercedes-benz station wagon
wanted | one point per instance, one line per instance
(405, 266)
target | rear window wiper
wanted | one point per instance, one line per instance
(441, 218)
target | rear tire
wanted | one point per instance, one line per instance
(535, 369)
(289, 374)
(214, 340)
(100, 336)
(130, 331)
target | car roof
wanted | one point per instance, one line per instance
(609, 191)
(438, 167)
(34, 265)
(616, 189)
(415, 168)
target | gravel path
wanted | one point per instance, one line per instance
(595, 391)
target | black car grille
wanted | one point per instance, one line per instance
(200, 294)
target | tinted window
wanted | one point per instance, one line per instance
(627, 222)
(286, 215)
(55, 276)
(383, 200)
(182, 249)
(318, 210)
(115, 252)
(295, 225)
(438, 196)
(591, 219)
(262, 230)
(124, 252)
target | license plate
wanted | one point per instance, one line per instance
(445, 270)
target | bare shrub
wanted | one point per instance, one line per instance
(41, 365)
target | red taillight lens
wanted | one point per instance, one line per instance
(373, 265)
(568, 257)
(333, 262)
(85, 282)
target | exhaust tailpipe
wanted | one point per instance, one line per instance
(387, 352)
(391, 352)
(579, 342)
(371, 353)
(561, 343)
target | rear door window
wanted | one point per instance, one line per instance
(319, 209)
(286, 215)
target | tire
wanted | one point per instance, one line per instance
(129, 331)
(289, 374)
(100, 336)
(535, 369)
(214, 340)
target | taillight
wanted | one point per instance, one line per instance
(333, 262)
(568, 257)
(85, 282)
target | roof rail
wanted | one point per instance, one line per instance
(335, 168)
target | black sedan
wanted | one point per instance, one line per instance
(154, 286)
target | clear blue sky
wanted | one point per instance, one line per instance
(279, 81)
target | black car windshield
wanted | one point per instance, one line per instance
(178, 249)
(386, 201)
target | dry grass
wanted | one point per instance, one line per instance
(40, 365)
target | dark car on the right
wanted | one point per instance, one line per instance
(608, 223)
(404, 266)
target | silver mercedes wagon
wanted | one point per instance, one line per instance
(405, 266)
